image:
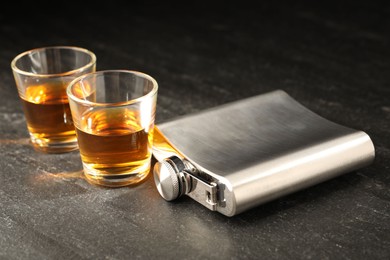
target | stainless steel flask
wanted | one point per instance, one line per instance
(242, 154)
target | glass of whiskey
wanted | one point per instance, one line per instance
(114, 112)
(41, 77)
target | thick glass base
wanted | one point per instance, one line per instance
(58, 145)
(107, 179)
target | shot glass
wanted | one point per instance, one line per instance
(41, 77)
(113, 112)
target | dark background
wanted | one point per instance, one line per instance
(333, 57)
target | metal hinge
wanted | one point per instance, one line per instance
(203, 192)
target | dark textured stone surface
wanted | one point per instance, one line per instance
(333, 57)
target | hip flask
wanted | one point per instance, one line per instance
(239, 155)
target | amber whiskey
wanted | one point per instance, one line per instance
(48, 116)
(114, 146)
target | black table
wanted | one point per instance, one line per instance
(333, 57)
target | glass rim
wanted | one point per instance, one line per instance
(151, 93)
(66, 73)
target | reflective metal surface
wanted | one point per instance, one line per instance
(261, 148)
(174, 178)
(167, 180)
